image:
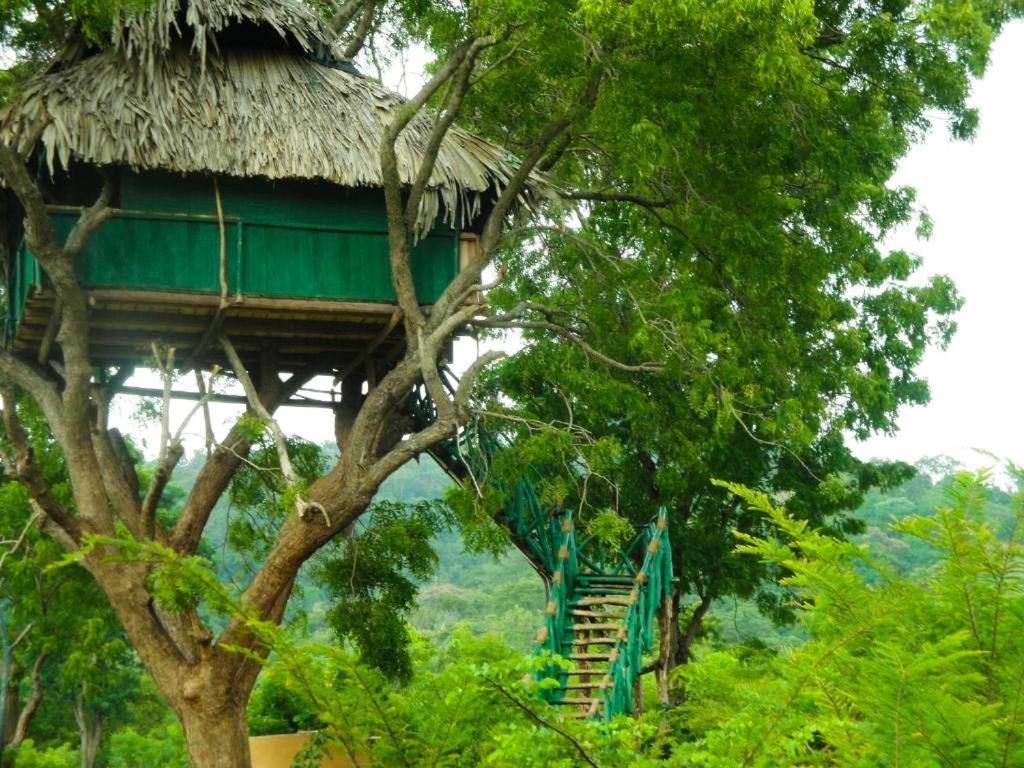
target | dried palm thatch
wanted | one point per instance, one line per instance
(147, 35)
(165, 99)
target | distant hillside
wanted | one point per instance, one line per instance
(506, 596)
(737, 621)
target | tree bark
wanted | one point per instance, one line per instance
(216, 733)
(692, 627)
(90, 730)
(31, 706)
(668, 645)
(675, 647)
(10, 714)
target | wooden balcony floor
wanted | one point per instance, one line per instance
(315, 334)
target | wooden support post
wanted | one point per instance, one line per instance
(52, 326)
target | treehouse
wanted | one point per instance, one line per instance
(240, 157)
(243, 157)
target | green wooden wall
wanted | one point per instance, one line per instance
(285, 238)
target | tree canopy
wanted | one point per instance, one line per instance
(727, 206)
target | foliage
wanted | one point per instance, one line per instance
(314, 753)
(59, 614)
(728, 224)
(610, 528)
(890, 662)
(489, 595)
(31, 756)
(164, 747)
(34, 31)
(760, 139)
(372, 577)
(276, 708)
(916, 670)
(259, 494)
(467, 705)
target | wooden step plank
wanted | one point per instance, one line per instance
(582, 686)
(595, 627)
(577, 700)
(598, 614)
(598, 599)
(590, 656)
(595, 641)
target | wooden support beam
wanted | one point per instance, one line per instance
(298, 402)
(212, 300)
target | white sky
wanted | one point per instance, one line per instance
(974, 193)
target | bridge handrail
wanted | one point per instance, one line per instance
(546, 533)
(560, 591)
(651, 585)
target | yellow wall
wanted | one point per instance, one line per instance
(279, 751)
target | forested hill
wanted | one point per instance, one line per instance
(921, 495)
(488, 594)
(504, 596)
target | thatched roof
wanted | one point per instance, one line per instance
(148, 34)
(170, 94)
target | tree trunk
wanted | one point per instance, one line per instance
(10, 722)
(90, 729)
(22, 714)
(675, 646)
(10, 715)
(692, 627)
(90, 741)
(668, 645)
(217, 736)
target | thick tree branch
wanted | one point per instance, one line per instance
(220, 466)
(119, 479)
(583, 107)
(399, 234)
(302, 505)
(470, 273)
(91, 219)
(35, 698)
(36, 381)
(458, 88)
(363, 28)
(73, 427)
(693, 626)
(344, 13)
(442, 428)
(37, 224)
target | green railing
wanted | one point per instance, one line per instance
(546, 535)
(651, 585)
(558, 610)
